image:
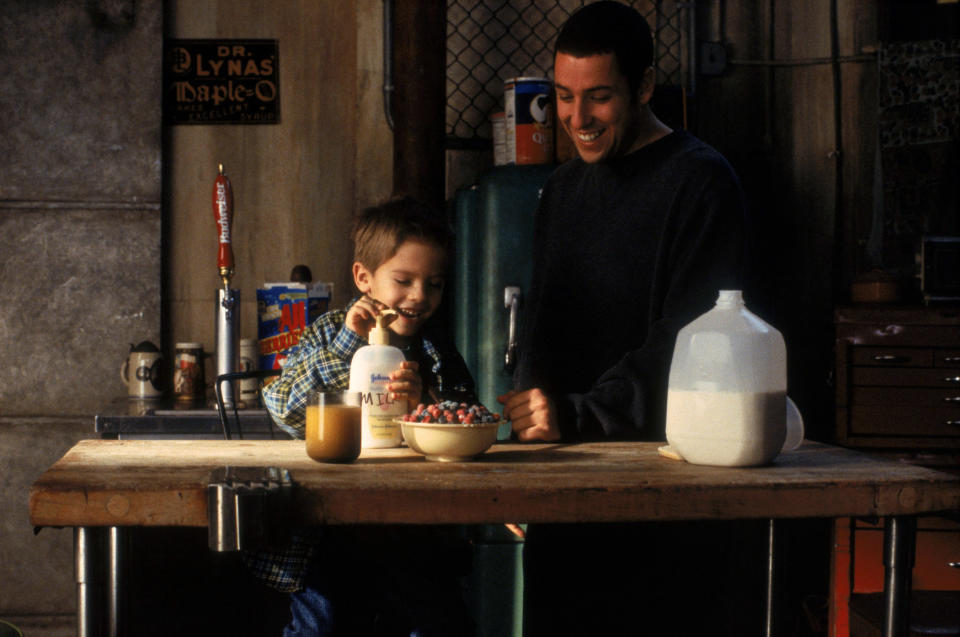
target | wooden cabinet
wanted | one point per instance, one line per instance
(898, 378)
(897, 394)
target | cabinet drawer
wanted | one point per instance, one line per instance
(946, 358)
(894, 356)
(906, 376)
(905, 420)
(898, 378)
(919, 396)
(937, 547)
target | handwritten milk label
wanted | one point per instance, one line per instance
(221, 82)
(377, 399)
(379, 414)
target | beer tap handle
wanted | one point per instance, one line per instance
(223, 215)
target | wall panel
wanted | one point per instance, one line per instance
(296, 184)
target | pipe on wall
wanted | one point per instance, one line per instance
(839, 288)
(419, 98)
(388, 61)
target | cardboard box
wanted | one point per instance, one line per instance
(284, 310)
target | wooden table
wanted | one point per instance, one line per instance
(109, 485)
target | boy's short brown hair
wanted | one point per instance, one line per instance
(379, 231)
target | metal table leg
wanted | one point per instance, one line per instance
(117, 551)
(99, 561)
(768, 627)
(88, 552)
(899, 545)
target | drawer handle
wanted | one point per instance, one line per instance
(955, 423)
(953, 564)
(952, 379)
(890, 358)
(951, 359)
(952, 399)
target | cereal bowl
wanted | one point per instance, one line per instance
(441, 442)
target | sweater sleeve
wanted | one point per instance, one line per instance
(703, 250)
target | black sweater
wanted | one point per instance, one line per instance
(626, 252)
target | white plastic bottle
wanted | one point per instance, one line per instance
(726, 401)
(370, 373)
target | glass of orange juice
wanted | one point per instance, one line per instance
(333, 426)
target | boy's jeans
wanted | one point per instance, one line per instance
(347, 595)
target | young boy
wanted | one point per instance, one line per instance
(376, 580)
(400, 260)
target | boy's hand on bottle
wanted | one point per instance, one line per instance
(405, 383)
(362, 315)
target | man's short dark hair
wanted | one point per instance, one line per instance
(610, 27)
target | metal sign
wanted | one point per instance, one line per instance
(221, 82)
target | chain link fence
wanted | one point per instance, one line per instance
(489, 41)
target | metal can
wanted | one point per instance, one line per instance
(188, 372)
(249, 387)
(528, 115)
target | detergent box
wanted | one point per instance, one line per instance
(284, 310)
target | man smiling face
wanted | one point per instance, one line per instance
(595, 105)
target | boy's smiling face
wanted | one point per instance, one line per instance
(411, 282)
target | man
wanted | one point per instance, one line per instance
(633, 239)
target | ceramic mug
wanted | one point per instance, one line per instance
(249, 387)
(188, 372)
(141, 371)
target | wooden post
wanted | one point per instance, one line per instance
(419, 98)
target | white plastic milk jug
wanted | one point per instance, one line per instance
(727, 394)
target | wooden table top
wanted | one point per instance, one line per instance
(164, 483)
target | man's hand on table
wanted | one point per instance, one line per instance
(534, 417)
(533, 414)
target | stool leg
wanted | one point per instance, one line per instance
(899, 544)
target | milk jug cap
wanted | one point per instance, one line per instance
(730, 298)
(379, 334)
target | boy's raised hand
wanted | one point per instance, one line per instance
(362, 315)
(405, 382)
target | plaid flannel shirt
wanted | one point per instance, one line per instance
(321, 361)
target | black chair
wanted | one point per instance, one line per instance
(260, 375)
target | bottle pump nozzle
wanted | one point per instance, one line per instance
(379, 335)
